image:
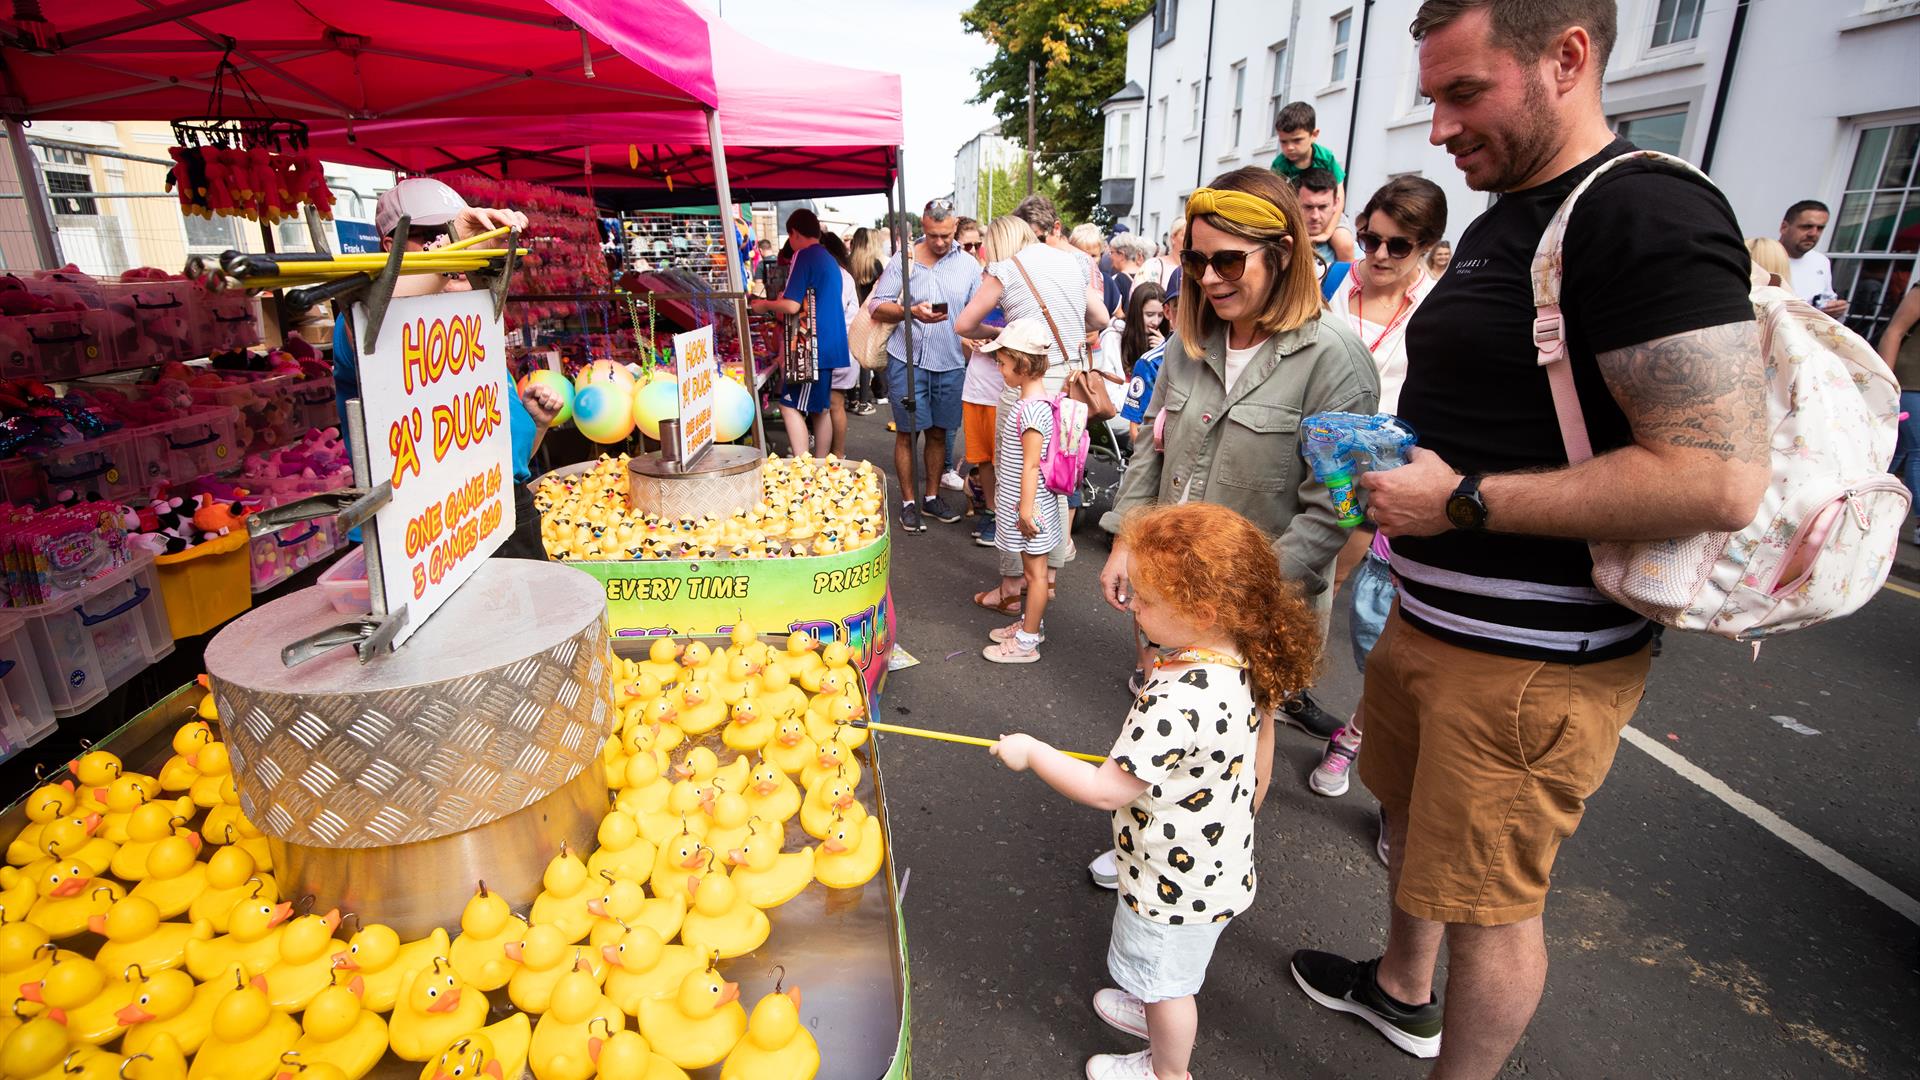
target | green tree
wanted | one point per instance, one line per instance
(1002, 189)
(1080, 47)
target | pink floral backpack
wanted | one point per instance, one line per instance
(1824, 537)
(1065, 458)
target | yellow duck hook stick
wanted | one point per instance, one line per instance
(947, 736)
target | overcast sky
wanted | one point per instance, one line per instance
(921, 40)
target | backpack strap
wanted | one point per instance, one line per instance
(1066, 355)
(1549, 327)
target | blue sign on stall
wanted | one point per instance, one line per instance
(356, 237)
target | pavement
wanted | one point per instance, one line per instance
(1738, 902)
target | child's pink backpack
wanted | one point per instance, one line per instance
(1065, 458)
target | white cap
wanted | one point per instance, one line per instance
(424, 200)
(1029, 336)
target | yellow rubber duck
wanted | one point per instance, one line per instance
(36, 1048)
(562, 902)
(737, 677)
(543, 958)
(748, 728)
(637, 686)
(662, 662)
(728, 816)
(801, 655)
(831, 758)
(766, 876)
(791, 749)
(850, 855)
(305, 966)
(126, 794)
(697, 708)
(699, 1024)
(251, 943)
(623, 852)
(832, 797)
(179, 772)
(641, 966)
(93, 772)
(771, 794)
(561, 1040)
(833, 687)
(742, 640)
(696, 662)
(685, 811)
(136, 936)
(487, 925)
(48, 802)
(243, 833)
(721, 922)
(837, 657)
(339, 1030)
(247, 1038)
(171, 1007)
(615, 909)
(681, 859)
(214, 764)
(644, 790)
(17, 893)
(498, 1051)
(381, 962)
(836, 721)
(777, 1046)
(68, 897)
(163, 1059)
(663, 715)
(222, 823)
(80, 994)
(25, 955)
(697, 765)
(434, 1009)
(627, 1056)
(175, 875)
(147, 826)
(232, 877)
(72, 839)
(778, 696)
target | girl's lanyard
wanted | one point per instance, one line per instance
(1198, 656)
(1356, 312)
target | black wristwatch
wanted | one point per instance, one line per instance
(1465, 508)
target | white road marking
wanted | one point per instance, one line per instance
(1793, 725)
(1852, 872)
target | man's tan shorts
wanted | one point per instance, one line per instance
(1489, 760)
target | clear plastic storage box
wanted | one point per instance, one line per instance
(90, 641)
(26, 713)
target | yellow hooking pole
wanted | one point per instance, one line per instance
(968, 740)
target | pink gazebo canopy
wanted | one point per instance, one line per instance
(792, 127)
(358, 61)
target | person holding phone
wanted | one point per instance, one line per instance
(929, 400)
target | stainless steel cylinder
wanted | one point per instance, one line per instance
(724, 480)
(472, 752)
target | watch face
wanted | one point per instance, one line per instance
(1462, 512)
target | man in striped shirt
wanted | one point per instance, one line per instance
(1495, 697)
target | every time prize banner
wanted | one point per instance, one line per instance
(438, 429)
(842, 596)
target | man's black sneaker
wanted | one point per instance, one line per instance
(938, 510)
(910, 519)
(1349, 987)
(1303, 712)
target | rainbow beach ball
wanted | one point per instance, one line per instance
(604, 371)
(732, 410)
(603, 412)
(658, 400)
(555, 382)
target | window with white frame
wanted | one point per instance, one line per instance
(1193, 108)
(1165, 13)
(1276, 83)
(1106, 168)
(1675, 22)
(1874, 237)
(1160, 146)
(67, 173)
(1123, 150)
(1663, 130)
(1235, 125)
(1342, 34)
(214, 234)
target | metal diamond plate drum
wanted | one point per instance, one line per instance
(726, 479)
(501, 699)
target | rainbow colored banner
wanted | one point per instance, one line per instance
(834, 597)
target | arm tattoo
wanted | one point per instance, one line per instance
(1701, 390)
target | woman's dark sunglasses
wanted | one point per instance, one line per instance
(1398, 247)
(972, 246)
(1228, 264)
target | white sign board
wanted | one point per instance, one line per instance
(694, 364)
(439, 430)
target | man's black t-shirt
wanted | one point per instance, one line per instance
(1647, 255)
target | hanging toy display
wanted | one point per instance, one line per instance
(254, 166)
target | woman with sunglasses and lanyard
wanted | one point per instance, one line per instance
(1250, 357)
(1396, 232)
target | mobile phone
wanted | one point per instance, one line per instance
(940, 308)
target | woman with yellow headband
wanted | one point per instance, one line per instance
(1250, 357)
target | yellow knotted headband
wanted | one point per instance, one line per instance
(1238, 207)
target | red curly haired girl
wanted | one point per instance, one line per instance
(1181, 778)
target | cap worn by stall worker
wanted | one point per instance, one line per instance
(1021, 335)
(425, 201)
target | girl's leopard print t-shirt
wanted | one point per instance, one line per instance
(1185, 846)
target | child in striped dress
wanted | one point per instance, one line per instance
(1027, 514)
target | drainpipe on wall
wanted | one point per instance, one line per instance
(1293, 35)
(1206, 94)
(1359, 72)
(1726, 83)
(1146, 140)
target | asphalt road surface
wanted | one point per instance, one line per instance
(1688, 939)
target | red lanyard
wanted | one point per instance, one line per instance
(1356, 311)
